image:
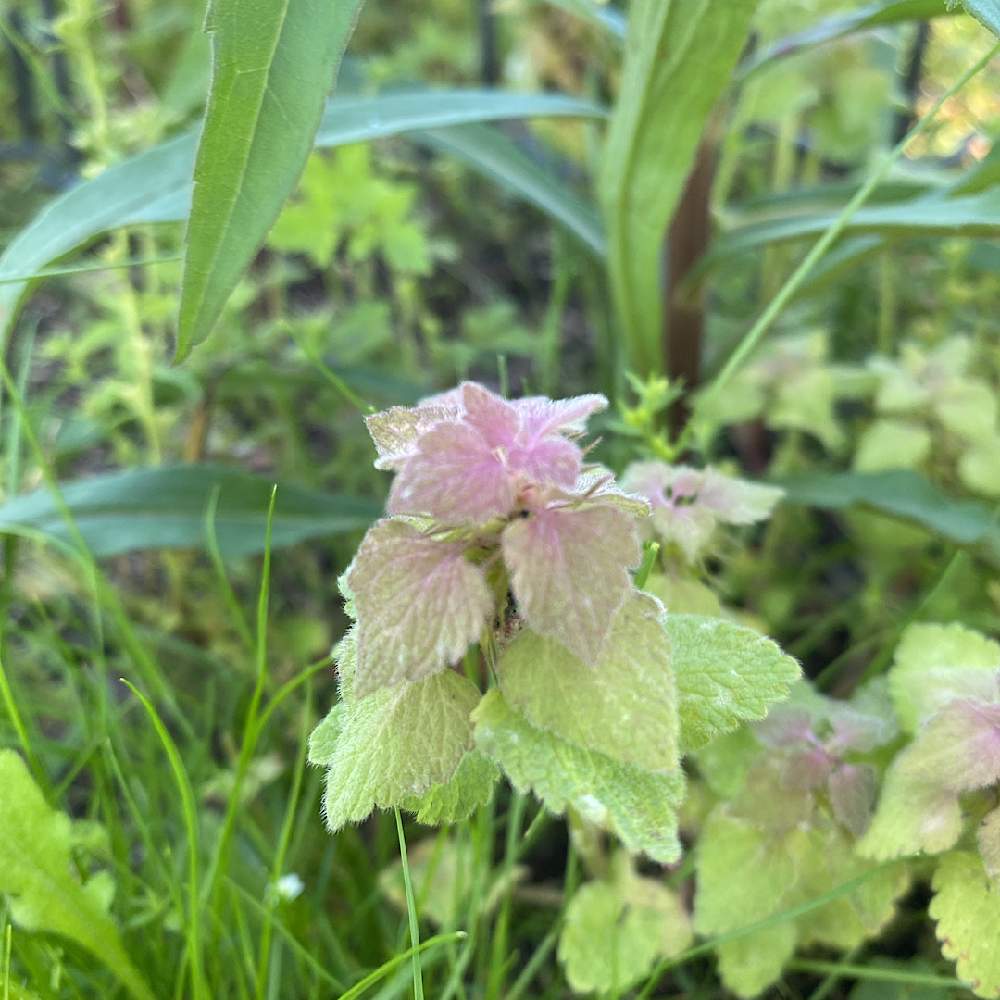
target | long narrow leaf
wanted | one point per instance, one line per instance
(273, 64)
(679, 58)
(164, 507)
(495, 156)
(155, 186)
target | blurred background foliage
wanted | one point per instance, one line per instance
(394, 271)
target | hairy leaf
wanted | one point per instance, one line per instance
(988, 839)
(639, 807)
(726, 675)
(624, 706)
(393, 745)
(966, 906)
(36, 875)
(470, 787)
(934, 664)
(569, 572)
(419, 601)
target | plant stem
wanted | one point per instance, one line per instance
(411, 910)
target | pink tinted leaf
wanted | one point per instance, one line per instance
(552, 461)
(737, 501)
(785, 726)
(420, 603)
(958, 749)
(541, 416)
(852, 796)
(395, 431)
(569, 572)
(455, 476)
(689, 527)
(988, 838)
(491, 415)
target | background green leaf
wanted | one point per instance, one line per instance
(165, 508)
(678, 59)
(273, 65)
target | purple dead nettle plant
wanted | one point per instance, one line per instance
(490, 498)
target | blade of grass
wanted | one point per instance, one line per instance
(411, 910)
(788, 290)
(498, 965)
(874, 974)
(190, 814)
(239, 620)
(57, 272)
(251, 730)
(383, 970)
(284, 838)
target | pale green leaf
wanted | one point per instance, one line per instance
(470, 787)
(935, 664)
(323, 739)
(726, 675)
(683, 596)
(443, 872)
(752, 962)
(639, 807)
(623, 706)
(679, 56)
(395, 744)
(614, 931)
(272, 67)
(966, 906)
(979, 469)
(912, 817)
(892, 444)
(988, 839)
(38, 878)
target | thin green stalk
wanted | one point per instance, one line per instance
(189, 810)
(10, 706)
(284, 838)
(498, 964)
(411, 910)
(874, 974)
(237, 617)
(251, 729)
(58, 272)
(650, 551)
(754, 335)
(383, 970)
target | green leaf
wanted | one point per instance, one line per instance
(623, 706)
(395, 744)
(902, 494)
(892, 444)
(470, 787)
(350, 119)
(988, 840)
(155, 186)
(614, 931)
(727, 674)
(273, 65)
(966, 906)
(443, 872)
(912, 817)
(165, 507)
(495, 156)
(934, 214)
(987, 12)
(679, 56)
(36, 876)
(837, 26)
(639, 807)
(934, 664)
